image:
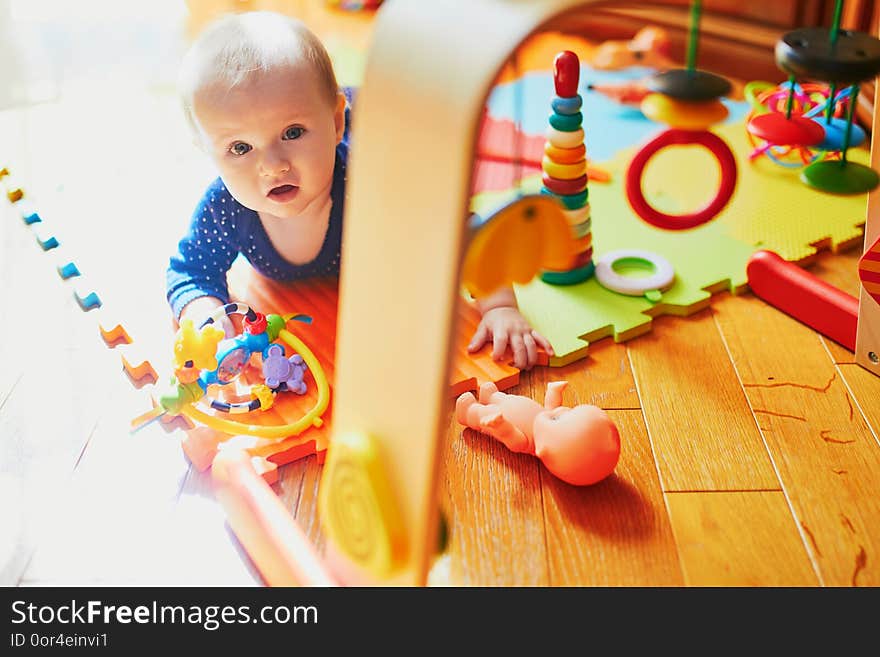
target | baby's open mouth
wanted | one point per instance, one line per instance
(283, 192)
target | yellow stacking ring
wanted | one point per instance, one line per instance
(565, 155)
(562, 139)
(681, 114)
(563, 171)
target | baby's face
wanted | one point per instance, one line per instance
(274, 139)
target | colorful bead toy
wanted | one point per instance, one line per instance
(565, 167)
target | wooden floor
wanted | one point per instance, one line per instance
(750, 453)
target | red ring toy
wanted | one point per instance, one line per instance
(678, 137)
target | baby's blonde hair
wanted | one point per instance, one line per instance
(237, 46)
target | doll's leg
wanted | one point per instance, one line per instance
(493, 422)
(486, 391)
(462, 405)
(553, 396)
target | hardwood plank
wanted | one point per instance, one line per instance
(44, 425)
(739, 538)
(702, 431)
(841, 270)
(496, 518)
(604, 378)
(828, 460)
(115, 511)
(616, 532)
(298, 487)
(214, 557)
(864, 388)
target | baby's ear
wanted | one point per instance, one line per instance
(339, 116)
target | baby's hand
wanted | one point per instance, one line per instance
(506, 326)
(200, 309)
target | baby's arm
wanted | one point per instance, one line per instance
(504, 325)
(196, 274)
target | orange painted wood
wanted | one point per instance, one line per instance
(827, 458)
(716, 550)
(698, 419)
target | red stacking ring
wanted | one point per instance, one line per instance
(565, 187)
(676, 137)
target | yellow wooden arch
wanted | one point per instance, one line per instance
(428, 75)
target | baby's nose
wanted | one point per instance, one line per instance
(273, 165)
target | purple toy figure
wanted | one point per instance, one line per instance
(284, 373)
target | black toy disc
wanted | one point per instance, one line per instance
(807, 53)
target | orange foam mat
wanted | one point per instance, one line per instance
(318, 298)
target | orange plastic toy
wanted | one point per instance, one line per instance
(579, 445)
(651, 47)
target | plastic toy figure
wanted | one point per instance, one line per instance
(282, 373)
(651, 47)
(579, 445)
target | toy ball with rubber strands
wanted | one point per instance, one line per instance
(795, 124)
(203, 357)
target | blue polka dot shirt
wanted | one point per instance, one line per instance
(221, 229)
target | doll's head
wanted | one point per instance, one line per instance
(579, 445)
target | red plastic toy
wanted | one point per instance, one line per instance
(797, 292)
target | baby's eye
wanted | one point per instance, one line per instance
(239, 148)
(294, 132)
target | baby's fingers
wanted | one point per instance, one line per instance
(531, 349)
(499, 344)
(479, 339)
(520, 355)
(543, 342)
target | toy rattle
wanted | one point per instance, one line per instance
(580, 445)
(204, 357)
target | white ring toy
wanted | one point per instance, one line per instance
(661, 279)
